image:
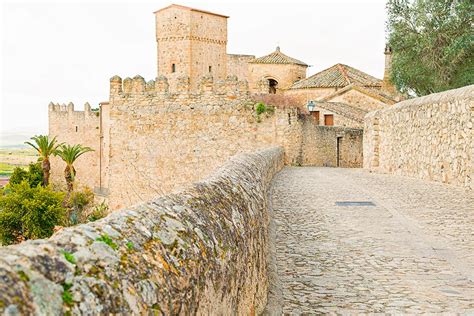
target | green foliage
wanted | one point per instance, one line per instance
(67, 295)
(78, 206)
(34, 175)
(69, 256)
(70, 153)
(29, 212)
(260, 108)
(129, 245)
(432, 43)
(98, 212)
(19, 174)
(43, 145)
(107, 240)
(23, 276)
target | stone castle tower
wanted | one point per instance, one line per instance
(192, 43)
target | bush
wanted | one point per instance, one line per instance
(19, 174)
(98, 212)
(78, 204)
(33, 176)
(29, 212)
(260, 108)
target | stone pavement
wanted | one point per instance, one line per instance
(413, 252)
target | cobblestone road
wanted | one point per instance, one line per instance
(412, 252)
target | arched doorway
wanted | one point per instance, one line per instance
(272, 86)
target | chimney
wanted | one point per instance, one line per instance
(387, 84)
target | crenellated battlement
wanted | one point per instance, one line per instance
(68, 110)
(231, 87)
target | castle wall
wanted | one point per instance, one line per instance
(76, 127)
(284, 74)
(238, 65)
(162, 140)
(429, 137)
(202, 251)
(359, 99)
(303, 96)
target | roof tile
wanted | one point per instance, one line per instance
(339, 75)
(277, 57)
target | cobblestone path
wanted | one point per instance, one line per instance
(413, 252)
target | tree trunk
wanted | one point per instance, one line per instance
(69, 176)
(46, 168)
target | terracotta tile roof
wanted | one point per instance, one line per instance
(346, 110)
(374, 93)
(339, 75)
(277, 57)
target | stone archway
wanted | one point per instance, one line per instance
(272, 86)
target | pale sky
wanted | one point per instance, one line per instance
(67, 51)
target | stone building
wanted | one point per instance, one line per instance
(278, 69)
(155, 136)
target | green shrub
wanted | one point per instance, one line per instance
(98, 212)
(29, 212)
(260, 108)
(34, 175)
(19, 174)
(78, 204)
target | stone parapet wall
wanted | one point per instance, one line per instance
(160, 88)
(429, 137)
(200, 251)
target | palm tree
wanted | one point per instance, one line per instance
(69, 154)
(45, 149)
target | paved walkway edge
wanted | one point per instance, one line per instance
(274, 299)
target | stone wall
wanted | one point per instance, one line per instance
(162, 140)
(237, 65)
(331, 146)
(76, 127)
(429, 137)
(202, 251)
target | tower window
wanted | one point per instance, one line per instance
(210, 68)
(76, 129)
(173, 67)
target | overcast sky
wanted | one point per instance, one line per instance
(67, 51)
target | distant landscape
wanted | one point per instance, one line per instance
(14, 153)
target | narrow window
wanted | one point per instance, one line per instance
(329, 119)
(76, 129)
(210, 68)
(173, 67)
